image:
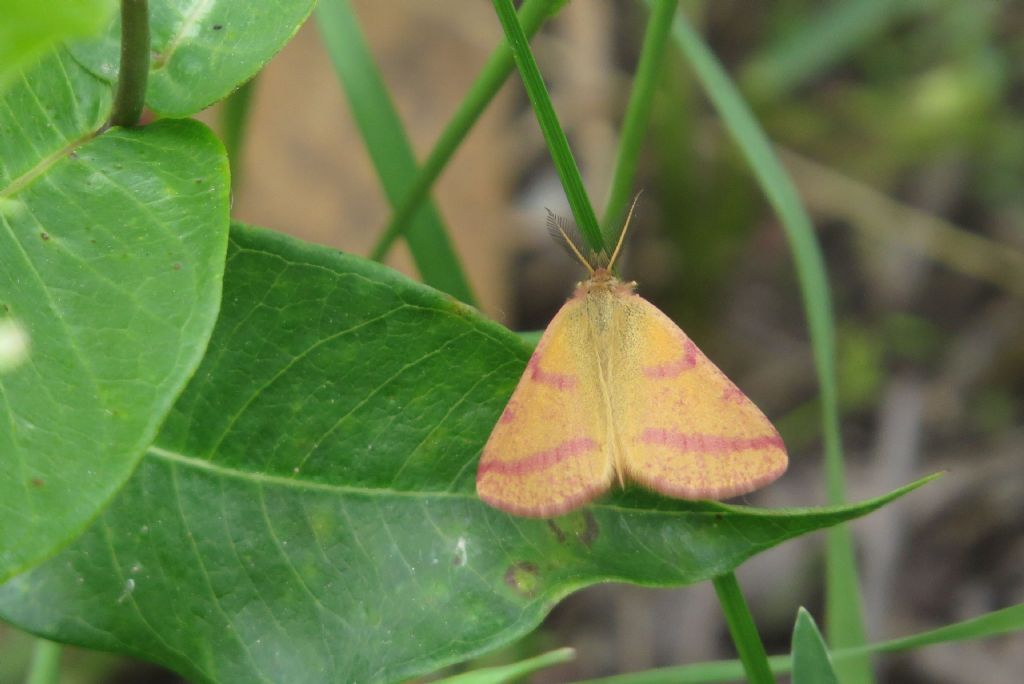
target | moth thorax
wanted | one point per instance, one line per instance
(604, 281)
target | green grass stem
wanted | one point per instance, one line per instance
(997, 623)
(516, 672)
(638, 110)
(568, 171)
(388, 145)
(845, 623)
(499, 65)
(743, 630)
(234, 119)
(45, 665)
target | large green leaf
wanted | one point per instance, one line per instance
(111, 259)
(308, 513)
(202, 49)
(29, 27)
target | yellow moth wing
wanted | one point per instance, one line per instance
(548, 452)
(684, 428)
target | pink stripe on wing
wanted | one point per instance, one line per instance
(673, 368)
(562, 381)
(733, 394)
(509, 414)
(539, 460)
(708, 444)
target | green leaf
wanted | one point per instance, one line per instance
(202, 49)
(514, 672)
(388, 146)
(111, 258)
(811, 661)
(308, 511)
(30, 27)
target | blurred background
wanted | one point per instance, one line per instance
(902, 125)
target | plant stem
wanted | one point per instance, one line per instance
(131, 79)
(558, 145)
(743, 630)
(45, 666)
(234, 120)
(532, 14)
(634, 126)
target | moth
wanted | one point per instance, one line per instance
(616, 392)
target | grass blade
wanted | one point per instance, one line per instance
(514, 672)
(844, 618)
(234, 119)
(532, 14)
(638, 110)
(388, 145)
(996, 623)
(820, 42)
(568, 172)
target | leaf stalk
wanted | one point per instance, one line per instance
(134, 71)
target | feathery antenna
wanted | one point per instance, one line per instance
(625, 227)
(558, 230)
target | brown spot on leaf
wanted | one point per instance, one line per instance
(523, 578)
(176, 266)
(591, 529)
(45, 236)
(557, 531)
(37, 482)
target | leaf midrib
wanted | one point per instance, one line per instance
(279, 480)
(199, 11)
(19, 183)
(720, 509)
